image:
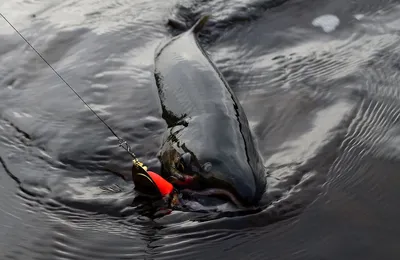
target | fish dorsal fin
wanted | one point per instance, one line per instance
(198, 26)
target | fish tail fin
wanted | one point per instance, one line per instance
(200, 24)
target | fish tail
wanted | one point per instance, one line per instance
(200, 24)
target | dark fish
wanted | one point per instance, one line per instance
(208, 146)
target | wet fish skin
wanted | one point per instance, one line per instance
(204, 118)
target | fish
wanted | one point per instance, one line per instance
(207, 147)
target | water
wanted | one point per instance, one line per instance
(317, 79)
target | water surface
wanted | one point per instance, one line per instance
(317, 79)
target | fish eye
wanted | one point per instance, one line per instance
(186, 159)
(184, 162)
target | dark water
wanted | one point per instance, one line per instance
(321, 93)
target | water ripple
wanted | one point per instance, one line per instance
(323, 108)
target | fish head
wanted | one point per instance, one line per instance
(207, 173)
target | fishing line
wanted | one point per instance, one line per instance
(122, 142)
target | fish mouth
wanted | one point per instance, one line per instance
(214, 192)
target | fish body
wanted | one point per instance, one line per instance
(208, 134)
